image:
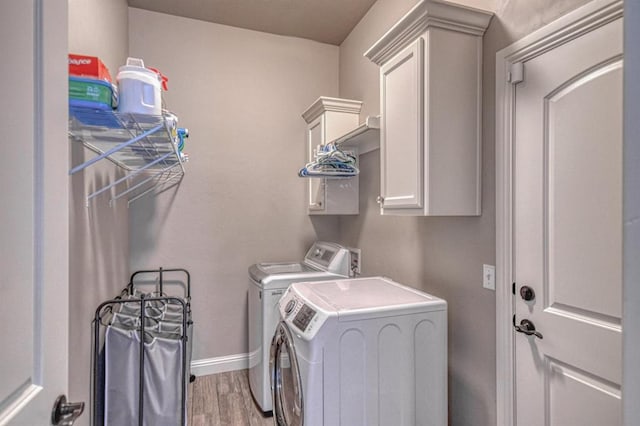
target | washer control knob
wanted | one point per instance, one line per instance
(289, 307)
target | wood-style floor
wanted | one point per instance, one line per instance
(224, 400)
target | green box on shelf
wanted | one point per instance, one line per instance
(89, 92)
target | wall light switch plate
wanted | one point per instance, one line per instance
(489, 277)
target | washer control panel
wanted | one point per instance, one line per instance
(303, 319)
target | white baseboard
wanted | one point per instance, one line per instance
(203, 367)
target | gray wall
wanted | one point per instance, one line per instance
(98, 235)
(442, 256)
(241, 94)
(99, 28)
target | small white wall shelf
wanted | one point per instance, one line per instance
(327, 119)
(365, 137)
(144, 146)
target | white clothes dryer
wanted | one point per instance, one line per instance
(359, 352)
(267, 283)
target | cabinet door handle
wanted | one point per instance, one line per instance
(380, 199)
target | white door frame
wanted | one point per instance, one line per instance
(631, 272)
(584, 19)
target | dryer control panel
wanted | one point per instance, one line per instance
(328, 257)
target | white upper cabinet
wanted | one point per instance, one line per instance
(430, 104)
(328, 119)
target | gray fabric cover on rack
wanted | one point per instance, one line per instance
(162, 382)
(122, 377)
(162, 378)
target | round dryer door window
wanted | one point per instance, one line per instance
(288, 409)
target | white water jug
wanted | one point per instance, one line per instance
(139, 89)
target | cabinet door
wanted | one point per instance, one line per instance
(316, 186)
(402, 130)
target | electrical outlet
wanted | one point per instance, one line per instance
(489, 277)
(355, 262)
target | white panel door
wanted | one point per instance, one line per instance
(402, 129)
(34, 210)
(568, 232)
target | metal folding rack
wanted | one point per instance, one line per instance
(105, 312)
(146, 147)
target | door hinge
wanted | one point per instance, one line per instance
(513, 288)
(516, 73)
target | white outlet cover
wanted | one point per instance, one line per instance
(489, 277)
(356, 261)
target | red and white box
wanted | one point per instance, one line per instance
(88, 67)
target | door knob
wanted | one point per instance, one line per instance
(65, 413)
(527, 293)
(527, 327)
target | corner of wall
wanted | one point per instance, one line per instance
(98, 235)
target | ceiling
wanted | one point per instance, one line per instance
(326, 21)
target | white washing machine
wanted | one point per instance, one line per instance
(359, 352)
(268, 282)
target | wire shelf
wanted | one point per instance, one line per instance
(144, 146)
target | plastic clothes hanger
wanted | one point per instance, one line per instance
(330, 161)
